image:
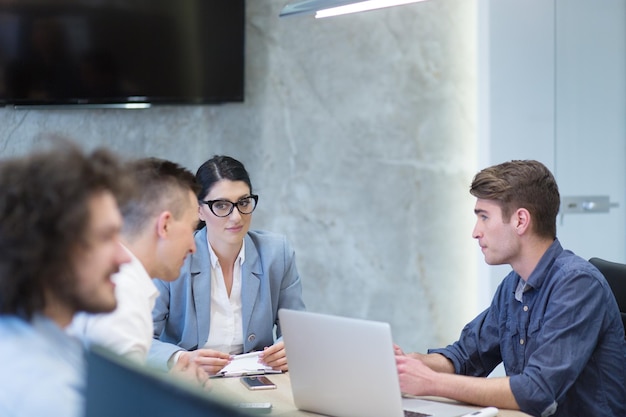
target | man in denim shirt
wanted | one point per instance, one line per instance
(553, 321)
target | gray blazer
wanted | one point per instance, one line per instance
(270, 281)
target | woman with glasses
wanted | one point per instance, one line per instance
(227, 296)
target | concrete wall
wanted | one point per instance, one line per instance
(359, 134)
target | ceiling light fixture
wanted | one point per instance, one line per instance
(328, 8)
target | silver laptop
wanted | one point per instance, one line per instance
(345, 367)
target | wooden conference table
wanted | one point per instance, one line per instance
(281, 399)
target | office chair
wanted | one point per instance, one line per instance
(120, 388)
(615, 274)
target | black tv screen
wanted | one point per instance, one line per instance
(99, 52)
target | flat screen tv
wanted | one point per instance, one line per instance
(126, 53)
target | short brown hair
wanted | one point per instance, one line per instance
(163, 185)
(521, 184)
(44, 214)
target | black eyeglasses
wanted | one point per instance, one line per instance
(223, 208)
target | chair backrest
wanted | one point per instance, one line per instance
(117, 387)
(615, 274)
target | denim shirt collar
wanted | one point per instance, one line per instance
(538, 276)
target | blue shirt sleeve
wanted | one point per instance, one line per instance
(566, 337)
(477, 352)
(562, 345)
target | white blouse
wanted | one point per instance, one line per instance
(225, 328)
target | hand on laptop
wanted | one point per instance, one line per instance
(275, 356)
(208, 359)
(415, 376)
(397, 350)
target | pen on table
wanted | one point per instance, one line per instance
(485, 412)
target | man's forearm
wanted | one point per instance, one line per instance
(476, 390)
(435, 361)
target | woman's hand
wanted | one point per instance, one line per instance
(189, 371)
(212, 361)
(275, 356)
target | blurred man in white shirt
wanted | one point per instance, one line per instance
(157, 235)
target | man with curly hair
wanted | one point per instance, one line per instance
(59, 246)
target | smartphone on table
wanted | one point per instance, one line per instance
(257, 382)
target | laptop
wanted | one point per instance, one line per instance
(345, 367)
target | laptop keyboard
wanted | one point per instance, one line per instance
(408, 413)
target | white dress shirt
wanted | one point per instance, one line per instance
(226, 326)
(128, 329)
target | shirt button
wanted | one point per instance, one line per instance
(521, 341)
(525, 308)
(251, 337)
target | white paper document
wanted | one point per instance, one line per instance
(246, 364)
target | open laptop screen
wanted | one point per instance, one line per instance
(345, 367)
